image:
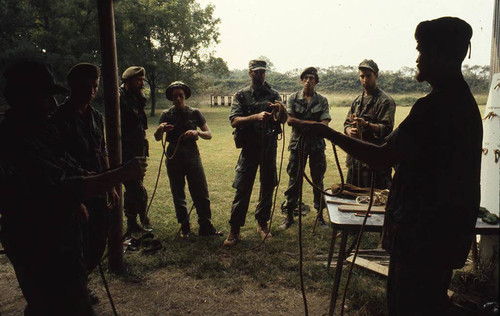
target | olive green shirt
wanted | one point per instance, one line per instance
(380, 109)
(247, 102)
(317, 109)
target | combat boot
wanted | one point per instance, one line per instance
(209, 230)
(146, 224)
(233, 238)
(132, 227)
(263, 230)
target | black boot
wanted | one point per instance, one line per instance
(186, 230)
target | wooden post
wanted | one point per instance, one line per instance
(495, 41)
(112, 116)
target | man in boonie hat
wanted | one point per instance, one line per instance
(256, 133)
(306, 105)
(183, 125)
(370, 118)
(134, 124)
(432, 209)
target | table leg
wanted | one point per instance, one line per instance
(332, 247)
(338, 272)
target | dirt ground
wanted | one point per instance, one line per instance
(172, 292)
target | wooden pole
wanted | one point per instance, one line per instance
(112, 116)
(495, 41)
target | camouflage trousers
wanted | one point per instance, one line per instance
(251, 158)
(95, 231)
(317, 169)
(135, 199)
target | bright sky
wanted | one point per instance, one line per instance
(323, 33)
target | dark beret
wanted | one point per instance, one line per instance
(83, 71)
(310, 71)
(177, 85)
(450, 34)
(133, 71)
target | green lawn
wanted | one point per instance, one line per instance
(277, 261)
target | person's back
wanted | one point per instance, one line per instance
(434, 198)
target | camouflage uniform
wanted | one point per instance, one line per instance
(41, 192)
(82, 136)
(376, 109)
(316, 110)
(259, 149)
(186, 164)
(134, 123)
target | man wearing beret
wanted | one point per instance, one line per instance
(42, 192)
(306, 105)
(181, 123)
(81, 128)
(134, 123)
(256, 134)
(371, 119)
(434, 198)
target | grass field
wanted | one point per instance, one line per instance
(277, 261)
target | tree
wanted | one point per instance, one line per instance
(170, 38)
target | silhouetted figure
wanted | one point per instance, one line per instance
(434, 198)
(42, 190)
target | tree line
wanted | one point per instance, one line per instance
(345, 79)
(171, 39)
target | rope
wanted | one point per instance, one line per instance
(275, 191)
(105, 282)
(301, 255)
(358, 241)
(179, 230)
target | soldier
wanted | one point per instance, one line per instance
(434, 199)
(181, 124)
(81, 129)
(134, 123)
(256, 134)
(42, 193)
(306, 105)
(371, 119)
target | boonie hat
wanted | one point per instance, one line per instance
(32, 76)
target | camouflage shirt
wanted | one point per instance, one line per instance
(187, 119)
(316, 110)
(41, 186)
(82, 135)
(134, 124)
(380, 109)
(247, 102)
